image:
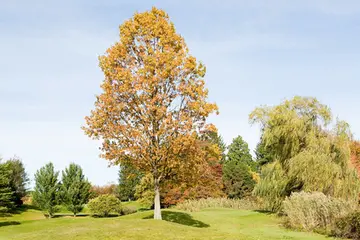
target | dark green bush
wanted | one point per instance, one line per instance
(348, 227)
(128, 210)
(103, 205)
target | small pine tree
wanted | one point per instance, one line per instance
(18, 180)
(6, 193)
(45, 194)
(75, 189)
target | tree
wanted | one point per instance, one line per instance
(212, 137)
(75, 189)
(18, 180)
(238, 170)
(238, 151)
(210, 183)
(6, 193)
(238, 180)
(263, 154)
(154, 103)
(129, 177)
(297, 136)
(45, 194)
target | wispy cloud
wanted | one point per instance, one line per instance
(256, 52)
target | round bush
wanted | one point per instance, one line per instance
(348, 227)
(103, 205)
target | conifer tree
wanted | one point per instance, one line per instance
(75, 188)
(46, 190)
(129, 177)
(6, 193)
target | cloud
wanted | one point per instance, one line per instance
(256, 52)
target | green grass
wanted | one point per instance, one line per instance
(133, 204)
(206, 224)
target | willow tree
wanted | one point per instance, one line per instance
(153, 104)
(308, 154)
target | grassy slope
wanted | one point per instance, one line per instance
(207, 224)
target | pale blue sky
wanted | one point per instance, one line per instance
(256, 52)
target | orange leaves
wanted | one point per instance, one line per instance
(154, 102)
(355, 155)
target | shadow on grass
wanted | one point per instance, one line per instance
(143, 209)
(61, 215)
(108, 216)
(9, 223)
(180, 218)
(23, 208)
(264, 212)
(17, 210)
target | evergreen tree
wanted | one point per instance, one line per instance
(237, 176)
(18, 180)
(45, 194)
(129, 177)
(239, 152)
(214, 138)
(263, 154)
(6, 193)
(237, 179)
(75, 189)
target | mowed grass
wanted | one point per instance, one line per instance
(206, 224)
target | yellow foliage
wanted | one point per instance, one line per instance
(154, 103)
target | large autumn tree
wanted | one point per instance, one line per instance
(154, 103)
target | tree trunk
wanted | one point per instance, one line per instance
(157, 210)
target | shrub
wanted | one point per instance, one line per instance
(314, 211)
(197, 205)
(348, 226)
(105, 204)
(128, 210)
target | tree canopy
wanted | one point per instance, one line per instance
(154, 102)
(297, 134)
(239, 152)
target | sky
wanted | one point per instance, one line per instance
(257, 52)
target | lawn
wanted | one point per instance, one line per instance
(206, 224)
